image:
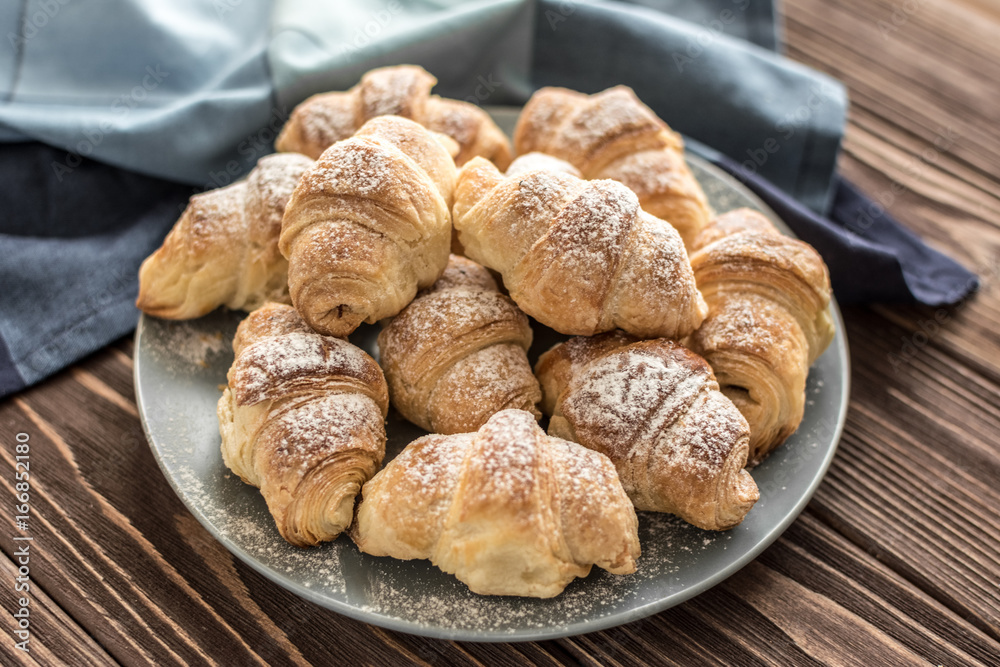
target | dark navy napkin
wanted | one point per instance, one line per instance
(71, 245)
(872, 257)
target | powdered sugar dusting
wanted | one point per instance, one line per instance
(271, 183)
(538, 196)
(318, 427)
(612, 134)
(461, 345)
(708, 430)
(246, 525)
(439, 461)
(656, 410)
(654, 172)
(753, 324)
(508, 454)
(603, 119)
(361, 167)
(442, 319)
(492, 379)
(458, 121)
(212, 219)
(588, 238)
(398, 91)
(448, 603)
(628, 396)
(261, 370)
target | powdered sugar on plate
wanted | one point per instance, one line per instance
(186, 344)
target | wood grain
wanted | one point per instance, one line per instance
(915, 479)
(54, 637)
(896, 560)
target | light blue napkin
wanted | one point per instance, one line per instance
(195, 91)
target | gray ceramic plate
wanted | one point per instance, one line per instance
(181, 366)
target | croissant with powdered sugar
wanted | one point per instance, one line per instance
(223, 251)
(654, 408)
(612, 134)
(403, 90)
(768, 321)
(302, 418)
(368, 225)
(508, 510)
(458, 353)
(578, 256)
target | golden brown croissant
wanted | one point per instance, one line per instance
(303, 420)
(457, 354)
(508, 510)
(368, 225)
(614, 135)
(223, 251)
(404, 90)
(578, 256)
(654, 408)
(768, 321)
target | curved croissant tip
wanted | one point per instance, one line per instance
(478, 162)
(166, 311)
(339, 321)
(287, 141)
(624, 564)
(746, 489)
(739, 499)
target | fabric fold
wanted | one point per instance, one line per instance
(872, 257)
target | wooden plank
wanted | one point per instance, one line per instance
(689, 634)
(816, 556)
(826, 632)
(90, 565)
(903, 101)
(54, 638)
(915, 75)
(812, 598)
(114, 369)
(102, 390)
(915, 479)
(922, 165)
(895, 560)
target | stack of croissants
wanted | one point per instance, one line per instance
(692, 335)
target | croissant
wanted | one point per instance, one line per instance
(223, 251)
(302, 418)
(404, 90)
(578, 256)
(655, 409)
(457, 354)
(768, 321)
(368, 225)
(507, 510)
(614, 135)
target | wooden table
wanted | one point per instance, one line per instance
(895, 561)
